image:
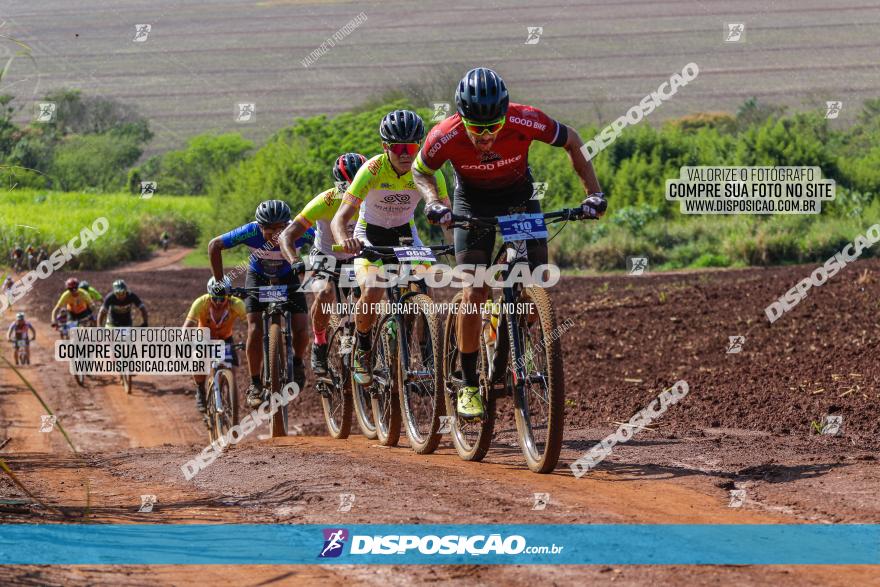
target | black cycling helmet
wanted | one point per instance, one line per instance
(84, 284)
(482, 96)
(272, 211)
(402, 126)
(346, 166)
(119, 285)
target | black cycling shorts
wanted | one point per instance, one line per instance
(475, 245)
(296, 300)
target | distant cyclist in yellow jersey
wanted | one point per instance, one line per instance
(77, 302)
(217, 311)
(319, 212)
(385, 198)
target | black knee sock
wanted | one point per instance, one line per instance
(469, 369)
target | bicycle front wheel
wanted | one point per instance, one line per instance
(335, 387)
(418, 375)
(384, 400)
(470, 438)
(276, 377)
(539, 385)
(225, 420)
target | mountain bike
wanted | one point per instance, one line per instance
(406, 386)
(22, 351)
(277, 320)
(222, 397)
(522, 357)
(64, 324)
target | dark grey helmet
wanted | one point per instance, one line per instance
(402, 126)
(482, 96)
(272, 211)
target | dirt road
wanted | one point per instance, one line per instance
(745, 425)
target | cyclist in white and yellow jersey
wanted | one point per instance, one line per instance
(319, 212)
(385, 198)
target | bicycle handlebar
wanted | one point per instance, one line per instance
(389, 251)
(549, 218)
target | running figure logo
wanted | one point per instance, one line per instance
(736, 344)
(832, 425)
(833, 108)
(637, 265)
(346, 500)
(735, 32)
(441, 111)
(47, 422)
(334, 541)
(539, 188)
(45, 111)
(148, 188)
(737, 498)
(535, 33)
(246, 112)
(147, 503)
(541, 501)
(141, 32)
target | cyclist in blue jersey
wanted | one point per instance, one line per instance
(266, 266)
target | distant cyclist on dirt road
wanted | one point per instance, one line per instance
(217, 311)
(21, 329)
(487, 142)
(77, 302)
(385, 198)
(319, 212)
(118, 306)
(266, 266)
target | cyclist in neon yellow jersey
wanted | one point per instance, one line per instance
(385, 198)
(318, 213)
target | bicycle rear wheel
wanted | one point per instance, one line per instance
(471, 438)
(384, 367)
(276, 377)
(419, 381)
(539, 384)
(336, 390)
(126, 382)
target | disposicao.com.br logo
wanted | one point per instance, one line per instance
(452, 544)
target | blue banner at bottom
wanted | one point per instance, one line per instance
(588, 544)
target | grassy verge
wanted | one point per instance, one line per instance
(51, 219)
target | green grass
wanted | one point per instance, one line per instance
(53, 218)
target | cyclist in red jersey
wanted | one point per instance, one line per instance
(487, 142)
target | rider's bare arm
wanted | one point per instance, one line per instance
(338, 228)
(427, 185)
(215, 254)
(574, 145)
(288, 237)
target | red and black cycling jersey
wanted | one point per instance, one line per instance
(506, 164)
